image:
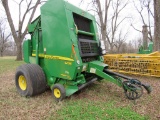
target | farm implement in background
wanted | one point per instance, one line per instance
(138, 64)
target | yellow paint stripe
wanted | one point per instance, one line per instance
(53, 57)
(64, 75)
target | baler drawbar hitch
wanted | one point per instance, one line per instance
(132, 87)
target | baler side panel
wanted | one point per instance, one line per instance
(74, 42)
(26, 50)
(56, 41)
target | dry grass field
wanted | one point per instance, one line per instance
(99, 101)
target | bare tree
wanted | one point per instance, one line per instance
(156, 25)
(124, 48)
(4, 38)
(148, 5)
(145, 6)
(118, 6)
(103, 18)
(119, 42)
(19, 34)
(108, 19)
(145, 37)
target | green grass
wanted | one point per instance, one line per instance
(99, 101)
(8, 64)
(91, 110)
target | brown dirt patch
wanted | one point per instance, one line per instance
(15, 107)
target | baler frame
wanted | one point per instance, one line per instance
(70, 67)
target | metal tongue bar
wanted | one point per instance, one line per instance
(132, 87)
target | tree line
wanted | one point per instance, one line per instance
(109, 20)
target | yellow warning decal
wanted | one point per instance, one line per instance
(53, 57)
(68, 63)
(64, 75)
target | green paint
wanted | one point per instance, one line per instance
(85, 33)
(148, 51)
(54, 46)
(71, 89)
(26, 50)
(97, 67)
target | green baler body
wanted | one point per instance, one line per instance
(64, 43)
(54, 43)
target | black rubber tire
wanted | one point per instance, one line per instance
(35, 79)
(62, 92)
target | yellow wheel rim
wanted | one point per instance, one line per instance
(57, 93)
(22, 82)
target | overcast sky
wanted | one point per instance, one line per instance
(128, 11)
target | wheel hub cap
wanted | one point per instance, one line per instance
(22, 82)
(57, 93)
